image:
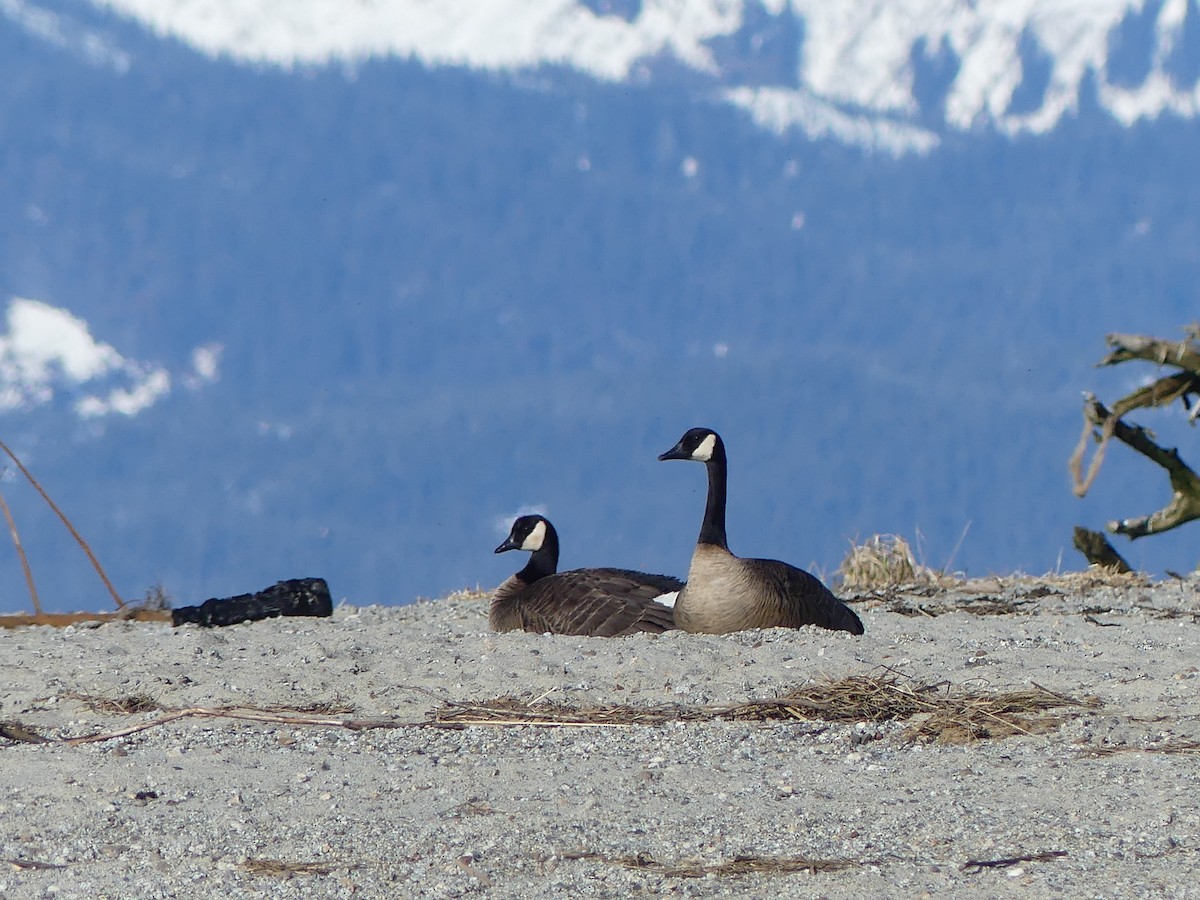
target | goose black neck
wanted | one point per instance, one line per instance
(543, 561)
(712, 529)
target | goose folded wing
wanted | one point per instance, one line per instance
(599, 602)
(806, 599)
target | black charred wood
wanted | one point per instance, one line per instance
(295, 597)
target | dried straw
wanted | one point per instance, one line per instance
(282, 869)
(739, 865)
(947, 716)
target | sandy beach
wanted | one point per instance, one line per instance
(357, 756)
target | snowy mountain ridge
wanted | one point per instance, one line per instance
(893, 74)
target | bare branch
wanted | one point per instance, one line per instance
(1163, 392)
(1082, 483)
(1185, 484)
(1185, 354)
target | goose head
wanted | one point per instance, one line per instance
(700, 444)
(527, 533)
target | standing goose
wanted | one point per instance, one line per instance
(727, 593)
(600, 602)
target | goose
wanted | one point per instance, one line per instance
(600, 602)
(727, 593)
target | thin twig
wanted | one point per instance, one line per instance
(12, 527)
(246, 714)
(71, 528)
(978, 865)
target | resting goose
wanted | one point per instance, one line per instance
(600, 602)
(727, 593)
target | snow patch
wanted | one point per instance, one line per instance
(857, 68)
(784, 109)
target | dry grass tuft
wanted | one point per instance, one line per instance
(130, 704)
(156, 598)
(974, 717)
(946, 715)
(883, 561)
(470, 595)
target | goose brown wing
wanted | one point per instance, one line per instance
(642, 584)
(600, 602)
(804, 600)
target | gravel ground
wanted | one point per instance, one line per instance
(204, 806)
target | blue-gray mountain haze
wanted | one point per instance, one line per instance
(444, 294)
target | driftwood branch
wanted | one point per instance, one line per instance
(1098, 551)
(61, 620)
(1180, 386)
(1184, 354)
(1102, 425)
(1185, 485)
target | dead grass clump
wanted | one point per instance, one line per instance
(130, 704)
(973, 717)
(857, 698)
(884, 560)
(156, 598)
(946, 715)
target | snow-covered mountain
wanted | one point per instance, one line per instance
(894, 74)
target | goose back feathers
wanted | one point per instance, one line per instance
(599, 602)
(727, 593)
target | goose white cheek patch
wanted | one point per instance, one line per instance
(704, 451)
(533, 541)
